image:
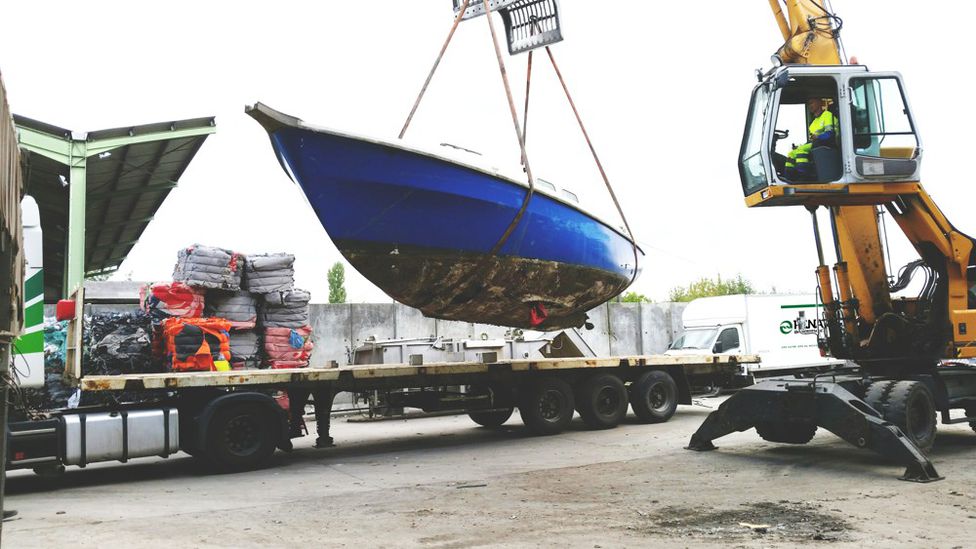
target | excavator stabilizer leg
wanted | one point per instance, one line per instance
(800, 404)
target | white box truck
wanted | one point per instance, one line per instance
(766, 325)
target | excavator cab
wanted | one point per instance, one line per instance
(874, 139)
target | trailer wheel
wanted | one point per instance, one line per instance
(787, 433)
(546, 406)
(241, 436)
(911, 406)
(601, 401)
(492, 419)
(654, 397)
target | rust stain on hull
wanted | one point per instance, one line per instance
(494, 290)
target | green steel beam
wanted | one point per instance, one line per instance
(77, 211)
(99, 146)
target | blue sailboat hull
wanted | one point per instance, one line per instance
(421, 227)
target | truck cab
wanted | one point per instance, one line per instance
(781, 329)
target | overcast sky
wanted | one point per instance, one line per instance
(662, 86)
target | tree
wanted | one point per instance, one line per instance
(337, 281)
(634, 297)
(706, 287)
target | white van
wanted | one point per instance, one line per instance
(766, 325)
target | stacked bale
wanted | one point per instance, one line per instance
(241, 310)
(245, 349)
(168, 300)
(197, 344)
(268, 318)
(209, 267)
(267, 273)
(287, 333)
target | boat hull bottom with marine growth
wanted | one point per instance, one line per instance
(421, 227)
(503, 290)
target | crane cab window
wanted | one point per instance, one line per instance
(806, 138)
(879, 116)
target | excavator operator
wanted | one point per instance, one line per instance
(822, 132)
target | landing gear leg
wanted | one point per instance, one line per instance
(323, 401)
(826, 404)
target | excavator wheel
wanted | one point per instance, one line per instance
(788, 433)
(877, 395)
(911, 406)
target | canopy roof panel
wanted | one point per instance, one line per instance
(129, 173)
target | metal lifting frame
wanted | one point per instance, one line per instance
(529, 24)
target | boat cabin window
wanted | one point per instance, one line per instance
(879, 116)
(570, 196)
(806, 138)
(545, 185)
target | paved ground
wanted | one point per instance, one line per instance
(443, 482)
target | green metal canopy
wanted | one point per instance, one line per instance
(98, 191)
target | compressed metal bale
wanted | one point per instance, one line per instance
(240, 308)
(209, 267)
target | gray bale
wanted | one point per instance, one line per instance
(240, 308)
(245, 348)
(208, 267)
(285, 309)
(266, 273)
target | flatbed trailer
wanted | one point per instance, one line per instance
(231, 420)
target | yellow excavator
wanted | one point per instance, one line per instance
(909, 352)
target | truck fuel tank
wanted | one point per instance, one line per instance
(121, 435)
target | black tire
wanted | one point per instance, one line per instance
(877, 395)
(787, 433)
(911, 406)
(546, 406)
(242, 436)
(601, 401)
(491, 419)
(654, 397)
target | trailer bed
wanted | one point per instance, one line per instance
(349, 377)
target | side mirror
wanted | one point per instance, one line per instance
(782, 79)
(718, 348)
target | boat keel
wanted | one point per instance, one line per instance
(791, 403)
